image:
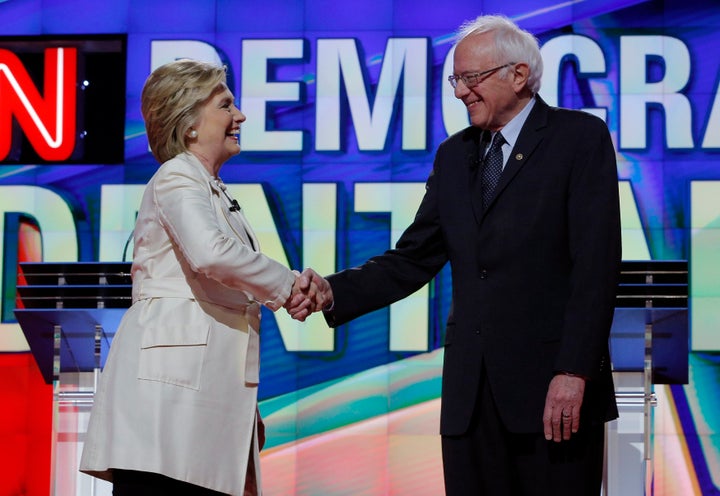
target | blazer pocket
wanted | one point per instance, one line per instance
(173, 355)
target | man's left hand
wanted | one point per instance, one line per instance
(561, 417)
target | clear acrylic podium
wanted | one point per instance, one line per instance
(648, 346)
(69, 314)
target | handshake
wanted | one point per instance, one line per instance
(310, 293)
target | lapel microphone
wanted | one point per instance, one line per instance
(234, 205)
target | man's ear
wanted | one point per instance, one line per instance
(519, 75)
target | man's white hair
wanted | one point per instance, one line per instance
(512, 44)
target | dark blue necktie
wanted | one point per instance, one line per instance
(492, 168)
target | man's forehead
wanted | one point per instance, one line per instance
(472, 52)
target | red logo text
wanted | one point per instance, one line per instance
(48, 121)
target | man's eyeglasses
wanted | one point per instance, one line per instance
(471, 79)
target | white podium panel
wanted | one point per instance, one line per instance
(72, 405)
(628, 460)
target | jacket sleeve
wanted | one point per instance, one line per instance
(417, 257)
(184, 202)
(594, 241)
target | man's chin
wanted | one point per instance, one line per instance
(478, 119)
(481, 123)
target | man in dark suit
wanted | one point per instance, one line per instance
(527, 384)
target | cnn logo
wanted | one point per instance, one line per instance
(48, 120)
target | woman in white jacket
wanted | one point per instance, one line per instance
(176, 408)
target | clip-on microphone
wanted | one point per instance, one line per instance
(234, 205)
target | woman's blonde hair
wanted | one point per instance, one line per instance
(170, 101)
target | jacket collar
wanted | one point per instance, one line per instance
(530, 136)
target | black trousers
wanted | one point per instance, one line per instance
(136, 483)
(491, 461)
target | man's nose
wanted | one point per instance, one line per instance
(460, 89)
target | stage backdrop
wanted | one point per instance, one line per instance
(346, 102)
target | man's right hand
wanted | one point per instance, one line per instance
(311, 293)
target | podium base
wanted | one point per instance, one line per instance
(627, 467)
(71, 412)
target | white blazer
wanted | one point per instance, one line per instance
(178, 393)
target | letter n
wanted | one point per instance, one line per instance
(49, 122)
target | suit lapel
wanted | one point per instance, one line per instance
(236, 220)
(249, 233)
(529, 138)
(472, 155)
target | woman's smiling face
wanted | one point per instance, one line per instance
(218, 128)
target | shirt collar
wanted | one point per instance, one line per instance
(512, 129)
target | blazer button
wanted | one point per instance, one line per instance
(483, 274)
